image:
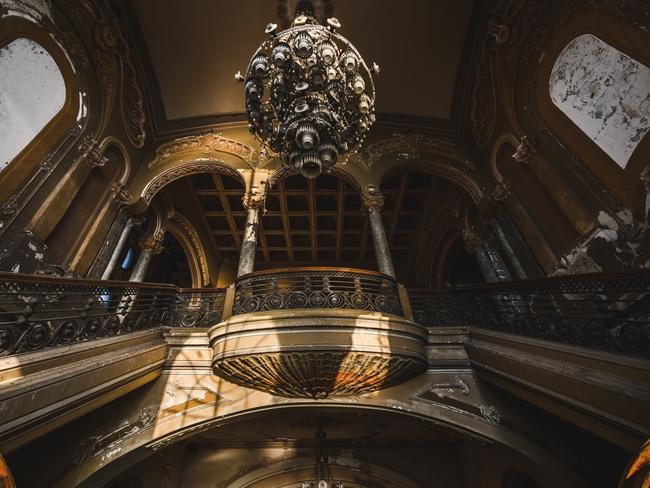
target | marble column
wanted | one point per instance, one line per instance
(150, 247)
(373, 202)
(254, 203)
(119, 247)
(474, 244)
(508, 250)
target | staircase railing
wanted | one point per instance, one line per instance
(38, 311)
(605, 311)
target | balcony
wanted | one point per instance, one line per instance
(317, 332)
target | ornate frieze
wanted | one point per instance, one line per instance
(204, 144)
(411, 146)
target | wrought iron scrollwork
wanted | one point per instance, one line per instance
(37, 312)
(316, 288)
(604, 311)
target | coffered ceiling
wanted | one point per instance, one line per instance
(190, 51)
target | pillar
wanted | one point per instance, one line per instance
(482, 245)
(507, 248)
(253, 202)
(373, 202)
(150, 247)
(119, 247)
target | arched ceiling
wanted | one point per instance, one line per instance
(190, 51)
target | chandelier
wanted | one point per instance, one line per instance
(310, 96)
(322, 465)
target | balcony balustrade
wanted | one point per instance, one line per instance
(610, 312)
(37, 312)
(314, 332)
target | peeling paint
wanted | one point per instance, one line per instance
(605, 93)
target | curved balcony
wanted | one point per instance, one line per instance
(317, 332)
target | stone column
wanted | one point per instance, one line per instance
(507, 248)
(474, 245)
(373, 202)
(119, 247)
(150, 247)
(61, 196)
(254, 203)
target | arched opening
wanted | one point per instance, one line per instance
(171, 265)
(605, 92)
(32, 93)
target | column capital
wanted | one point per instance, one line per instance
(91, 152)
(524, 150)
(119, 193)
(153, 244)
(373, 200)
(502, 191)
(473, 239)
(254, 199)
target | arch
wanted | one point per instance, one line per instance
(445, 171)
(181, 228)
(25, 164)
(223, 410)
(494, 167)
(185, 169)
(558, 129)
(111, 142)
(336, 171)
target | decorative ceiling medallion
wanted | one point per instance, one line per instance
(309, 95)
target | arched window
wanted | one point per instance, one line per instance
(605, 92)
(32, 93)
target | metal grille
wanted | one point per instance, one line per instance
(316, 288)
(605, 311)
(40, 311)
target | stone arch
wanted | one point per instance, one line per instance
(189, 168)
(158, 432)
(494, 167)
(336, 171)
(181, 228)
(117, 145)
(446, 171)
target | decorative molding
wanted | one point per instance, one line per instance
(502, 191)
(372, 199)
(204, 144)
(254, 199)
(120, 194)
(166, 177)
(91, 151)
(491, 413)
(645, 179)
(193, 236)
(411, 146)
(524, 151)
(153, 244)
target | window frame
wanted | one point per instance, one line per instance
(627, 39)
(20, 169)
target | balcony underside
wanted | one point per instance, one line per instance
(318, 353)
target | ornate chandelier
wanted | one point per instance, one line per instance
(310, 97)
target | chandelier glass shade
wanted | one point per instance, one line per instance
(310, 96)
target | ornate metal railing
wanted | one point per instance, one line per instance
(41, 311)
(300, 288)
(605, 311)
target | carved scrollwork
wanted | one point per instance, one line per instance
(407, 145)
(316, 289)
(205, 144)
